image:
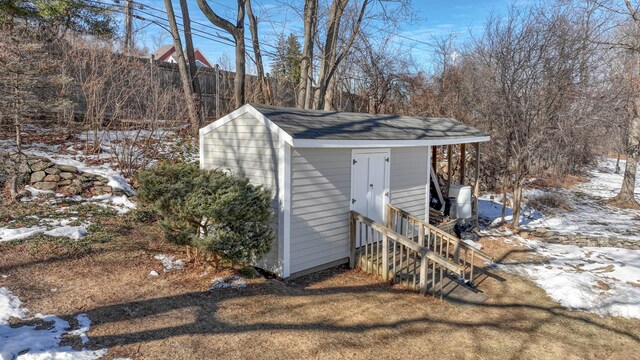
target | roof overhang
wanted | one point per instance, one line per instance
(319, 143)
(323, 143)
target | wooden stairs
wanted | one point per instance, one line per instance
(409, 252)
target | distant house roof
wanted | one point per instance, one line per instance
(166, 52)
(315, 128)
(163, 52)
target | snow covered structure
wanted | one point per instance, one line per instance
(321, 165)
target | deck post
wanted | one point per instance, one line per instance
(421, 235)
(352, 241)
(434, 157)
(476, 185)
(449, 169)
(385, 256)
(423, 274)
(463, 160)
(388, 221)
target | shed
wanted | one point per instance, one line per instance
(321, 165)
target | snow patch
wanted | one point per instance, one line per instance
(589, 214)
(602, 280)
(473, 244)
(28, 342)
(71, 232)
(233, 282)
(119, 203)
(51, 227)
(20, 233)
(168, 263)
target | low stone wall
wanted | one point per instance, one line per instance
(43, 174)
(578, 239)
(65, 179)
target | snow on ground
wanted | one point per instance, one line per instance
(602, 280)
(168, 263)
(230, 282)
(37, 341)
(122, 141)
(490, 210)
(596, 279)
(119, 203)
(605, 183)
(79, 160)
(588, 214)
(51, 227)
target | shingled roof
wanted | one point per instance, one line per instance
(332, 125)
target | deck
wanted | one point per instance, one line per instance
(406, 273)
(409, 252)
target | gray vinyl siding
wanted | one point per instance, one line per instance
(408, 179)
(320, 193)
(247, 147)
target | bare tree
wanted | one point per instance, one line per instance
(128, 25)
(530, 66)
(237, 32)
(305, 93)
(331, 55)
(187, 85)
(191, 56)
(263, 87)
(626, 197)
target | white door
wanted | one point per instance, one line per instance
(370, 183)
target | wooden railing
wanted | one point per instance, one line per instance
(438, 241)
(379, 250)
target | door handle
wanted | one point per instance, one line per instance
(353, 201)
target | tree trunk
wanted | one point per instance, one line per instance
(128, 26)
(626, 197)
(263, 93)
(191, 58)
(237, 31)
(306, 65)
(182, 67)
(16, 119)
(238, 81)
(517, 204)
(330, 59)
(504, 205)
(329, 53)
(328, 95)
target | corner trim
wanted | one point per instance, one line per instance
(284, 197)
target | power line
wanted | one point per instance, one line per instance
(216, 37)
(199, 33)
(209, 26)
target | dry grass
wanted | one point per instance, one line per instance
(567, 182)
(335, 314)
(550, 201)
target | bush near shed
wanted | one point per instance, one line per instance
(217, 212)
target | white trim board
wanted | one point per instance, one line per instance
(284, 198)
(247, 108)
(319, 143)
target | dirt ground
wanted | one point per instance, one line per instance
(335, 314)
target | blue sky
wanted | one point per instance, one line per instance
(433, 18)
